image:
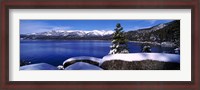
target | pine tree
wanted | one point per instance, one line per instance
(119, 43)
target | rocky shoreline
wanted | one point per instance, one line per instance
(136, 61)
(139, 65)
(108, 65)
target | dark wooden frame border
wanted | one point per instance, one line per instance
(6, 84)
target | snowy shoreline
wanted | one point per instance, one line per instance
(163, 57)
(132, 57)
(146, 42)
(163, 44)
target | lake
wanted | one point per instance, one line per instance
(54, 52)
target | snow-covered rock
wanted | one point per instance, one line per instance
(143, 56)
(168, 44)
(86, 59)
(83, 58)
(39, 66)
(82, 66)
(60, 67)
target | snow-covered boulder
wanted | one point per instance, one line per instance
(143, 56)
(39, 66)
(146, 49)
(86, 59)
(60, 67)
(82, 66)
(168, 44)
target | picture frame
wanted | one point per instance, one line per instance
(78, 85)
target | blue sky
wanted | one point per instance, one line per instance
(34, 26)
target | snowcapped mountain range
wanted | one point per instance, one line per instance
(82, 33)
(78, 33)
(162, 32)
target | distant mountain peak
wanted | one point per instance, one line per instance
(79, 33)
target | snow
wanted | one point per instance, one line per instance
(177, 50)
(60, 67)
(82, 66)
(167, 44)
(143, 56)
(83, 58)
(39, 66)
(158, 27)
(99, 32)
(86, 66)
(80, 33)
(102, 32)
(113, 51)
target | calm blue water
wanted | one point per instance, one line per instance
(56, 51)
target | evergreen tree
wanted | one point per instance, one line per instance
(119, 43)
